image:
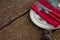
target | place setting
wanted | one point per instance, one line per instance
(46, 15)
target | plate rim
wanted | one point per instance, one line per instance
(34, 21)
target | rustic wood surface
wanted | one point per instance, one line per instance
(10, 10)
(17, 23)
(56, 35)
(21, 29)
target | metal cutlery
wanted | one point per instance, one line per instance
(48, 11)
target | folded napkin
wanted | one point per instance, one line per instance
(45, 16)
(55, 10)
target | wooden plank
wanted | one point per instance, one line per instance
(5, 3)
(12, 9)
(56, 35)
(21, 29)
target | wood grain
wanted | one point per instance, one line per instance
(21, 29)
(56, 35)
(12, 9)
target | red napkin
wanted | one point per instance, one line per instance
(48, 5)
(45, 16)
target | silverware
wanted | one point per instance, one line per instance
(45, 8)
(50, 12)
(40, 8)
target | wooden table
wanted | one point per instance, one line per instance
(15, 23)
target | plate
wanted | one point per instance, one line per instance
(37, 20)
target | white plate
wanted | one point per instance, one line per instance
(40, 22)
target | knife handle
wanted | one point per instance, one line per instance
(46, 17)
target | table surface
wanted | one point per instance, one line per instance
(15, 23)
